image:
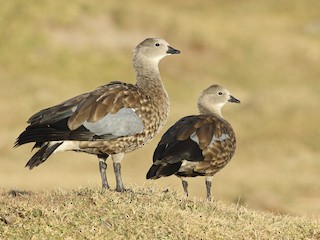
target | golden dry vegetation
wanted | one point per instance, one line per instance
(142, 213)
(266, 53)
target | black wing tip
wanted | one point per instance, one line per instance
(152, 173)
(149, 176)
(29, 166)
(23, 138)
(16, 143)
(152, 177)
(19, 141)
(42, 155)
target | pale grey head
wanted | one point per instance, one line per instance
(154, 49)
(213, 99)
(145, 62)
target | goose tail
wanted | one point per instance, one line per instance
(42, 154)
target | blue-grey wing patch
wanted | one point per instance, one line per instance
(223, 137)
(123, 123)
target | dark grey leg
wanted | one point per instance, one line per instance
(185, 186)
(103, 168)
(208, 186)
(117, 172)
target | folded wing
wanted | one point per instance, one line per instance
(109, 112)
(188, 139)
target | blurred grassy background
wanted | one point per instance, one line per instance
(267, 53)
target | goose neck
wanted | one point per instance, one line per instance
(211, 110)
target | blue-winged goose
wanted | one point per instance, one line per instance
(112, 120)
(198, 145)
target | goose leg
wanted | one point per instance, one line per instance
(208, 187)
(117, 171)
(185, 186)
(103, 168)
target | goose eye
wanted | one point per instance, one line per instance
(220, 93)
(157, 44)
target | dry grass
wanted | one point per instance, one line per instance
(141, 213)
(266, 53)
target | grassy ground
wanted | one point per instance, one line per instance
(142, 213)
(266, 53)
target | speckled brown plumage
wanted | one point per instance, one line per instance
(198, 145)
(112, 120)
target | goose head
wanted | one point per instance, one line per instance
(213, 99)
(154, 49)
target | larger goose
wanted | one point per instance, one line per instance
(114, 119)
(198, 145)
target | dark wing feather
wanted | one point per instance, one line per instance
(175, 146)
(58, 112)
(42, 155)
(176, 143)
(54, 132)
(157, 171)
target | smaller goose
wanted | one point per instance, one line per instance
(197, 145)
